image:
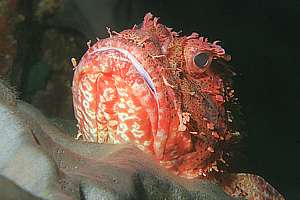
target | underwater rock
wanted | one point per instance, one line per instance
(8, 95)
(10, 191)
(47, 7)
(48, 85)
(91, 17)
(41, 159)
(8, 48)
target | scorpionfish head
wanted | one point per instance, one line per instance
(160, 91)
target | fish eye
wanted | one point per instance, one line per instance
(201, 59)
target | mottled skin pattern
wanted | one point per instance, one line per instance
(249, 186)
(145, 86)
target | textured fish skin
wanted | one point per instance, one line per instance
(143, 86)
(249, 186)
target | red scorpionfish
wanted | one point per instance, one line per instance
(159, 91)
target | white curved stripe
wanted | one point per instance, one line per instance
(137, 65)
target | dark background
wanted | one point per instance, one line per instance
(262, 38)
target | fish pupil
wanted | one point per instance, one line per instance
(201, 59)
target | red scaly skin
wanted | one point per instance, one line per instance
(143, 86)
(113, 103)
